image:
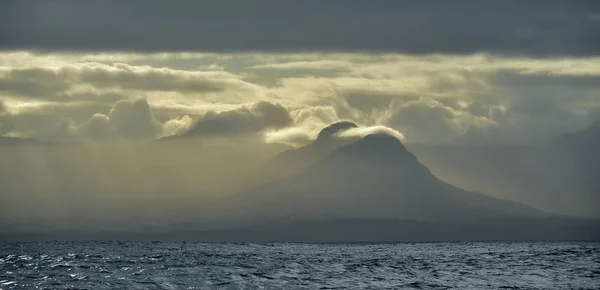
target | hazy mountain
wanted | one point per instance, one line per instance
(560, 177)
(375, 177)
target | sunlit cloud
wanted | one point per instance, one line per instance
(316, 89)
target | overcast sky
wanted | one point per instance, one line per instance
(440, 72)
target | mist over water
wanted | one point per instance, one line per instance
(120, 185)
(148, 265)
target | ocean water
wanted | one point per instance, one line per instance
(151, 265)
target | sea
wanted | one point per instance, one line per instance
(170, 265)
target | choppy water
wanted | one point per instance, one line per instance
(133, 265)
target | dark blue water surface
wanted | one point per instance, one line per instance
(147, 265)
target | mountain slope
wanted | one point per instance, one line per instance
(376, 177)
(560, 177)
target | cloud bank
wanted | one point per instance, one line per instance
(473, 99)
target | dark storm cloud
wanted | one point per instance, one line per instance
(509, 27)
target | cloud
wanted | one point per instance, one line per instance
(242, 121)
(308, 65)
(134, 119)
(34, 82)
(147, 78)
(303, 135)
(476, 99)
(473, 99)
(128, 119)
(429, 121)
(67, 82)
(506, 27)
(308, 122)
(315, 114)
(97, 127)
(5, 119)
(3, 108)
(64, 129)
(177, 126)
(364, 131)
(292, 136)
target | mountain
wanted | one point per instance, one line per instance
(293, 161)
(375, 177)
(559, 177)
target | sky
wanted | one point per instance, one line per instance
(466, 72)
(259, 77)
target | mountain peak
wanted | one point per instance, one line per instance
(379, 146)
(378, 141)
(381, 137)
(335, 128)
